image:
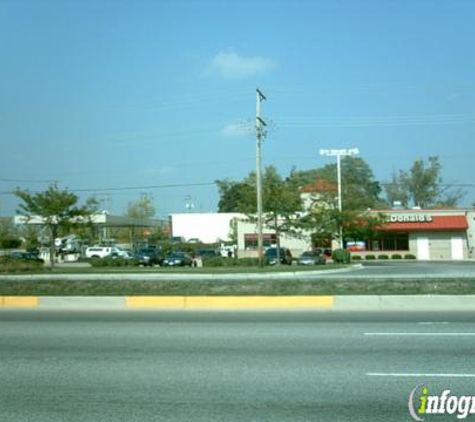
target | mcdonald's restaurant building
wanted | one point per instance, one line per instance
(428, 234)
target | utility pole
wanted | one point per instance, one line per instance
(259, 137)
(339, 153)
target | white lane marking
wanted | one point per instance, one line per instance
(420, 334)
(433, 323)
(381, 374)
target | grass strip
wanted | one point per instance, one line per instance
(173, 270)
(452, 286)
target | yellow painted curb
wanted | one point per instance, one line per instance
(19, 301)
(230, 302)
(258, 301)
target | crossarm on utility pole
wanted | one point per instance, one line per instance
(259, 135)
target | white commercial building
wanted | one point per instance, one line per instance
(223, 227)
(205, 227)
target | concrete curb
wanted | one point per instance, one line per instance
(402, 303)
(184, 303)
(178, 276)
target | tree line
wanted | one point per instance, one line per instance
(419, 186)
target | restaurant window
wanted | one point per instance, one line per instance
(389, 242)
(250, 240)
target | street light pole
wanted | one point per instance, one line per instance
(259, 136)
(338, 153)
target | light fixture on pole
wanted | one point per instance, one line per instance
(338, 153)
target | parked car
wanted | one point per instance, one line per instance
(271, 256)
(121, 253)
(207, 253)
(149, 256)
(175, 240)
(311, 258)
(25, 256)
(194, 240)
(100, 251)
(178, 259)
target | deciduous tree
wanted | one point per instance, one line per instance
(421, 186)
(57, 209)
(280, 199)
(143, 208)
(281, 204)
(237, 196)
(360, 189)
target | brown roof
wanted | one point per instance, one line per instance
(319, 186)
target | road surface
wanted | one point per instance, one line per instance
(224, 366)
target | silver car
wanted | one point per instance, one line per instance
(311, 258)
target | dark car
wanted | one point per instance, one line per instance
(207, 253)
(178, 259)
(26, 256)
(311, 258)
(149, 256)
(285, 256)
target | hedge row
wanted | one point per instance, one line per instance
(230, 262)
(10, 243)
(9, 265)
(189, 248)
(113, 262)
(207, 262)
(382, 257)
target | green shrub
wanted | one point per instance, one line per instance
(370, 257)
(356, 258)
(10, 243)
(341, 256)
(189, 248)
(248, 262)
(409, 256)
(383, 256)
(216, 262)
(132, 262)
(230, 262)
(9, 265)
(113, 262)
(396, 256)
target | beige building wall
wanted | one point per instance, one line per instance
(471, 234)
(441, 244)
(297, 245)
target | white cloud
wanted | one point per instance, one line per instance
(236, 130)
(233, 66)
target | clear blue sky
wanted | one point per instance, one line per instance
(105, 94)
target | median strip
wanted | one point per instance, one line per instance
(171, 302)
(19, 301)
(230, 302)
(234, 302)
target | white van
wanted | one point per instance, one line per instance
(99, 251)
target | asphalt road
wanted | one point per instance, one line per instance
(218, 366)
(405, 269)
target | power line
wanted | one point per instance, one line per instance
(443, 185)
(369, 121)
(26, 180)
(130, 188)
